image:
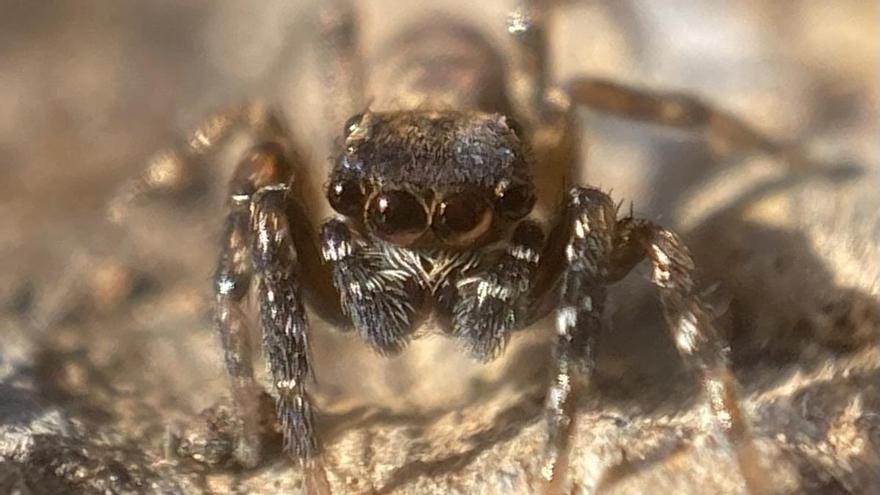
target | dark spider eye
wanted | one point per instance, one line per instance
(346, 196)
(351, 124)
(514, 126)
(514, 201)
(462, 218)
(397, 216)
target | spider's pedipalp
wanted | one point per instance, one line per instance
(380, 299)
(491, 304)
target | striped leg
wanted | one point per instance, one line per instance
(722, 129)
(691, 328)
(231, 283)
(589, 221)
(700, 345)
(259, 226)
(283, 318)
(600, 251)
(174, 170)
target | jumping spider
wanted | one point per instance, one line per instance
(449, 210)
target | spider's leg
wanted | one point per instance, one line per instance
(231, 283)
(490, 304)
(259, 225)
(694, 334)
(527, 25)
(263, 165)
(380, 299)
(340, 63)
(587, 230)
(283, 319)
(724, 130)
(174, 170)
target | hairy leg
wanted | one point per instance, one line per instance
(698, 341)
(601, 250)
(231, 283)
(258, 235)
(587, 230)
(283, 318)
(681, 110)
(174, 170)
(340, 63)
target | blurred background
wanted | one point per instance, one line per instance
(105, 333)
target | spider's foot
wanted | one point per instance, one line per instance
(316, 478)
(218, 439)
(490, 305)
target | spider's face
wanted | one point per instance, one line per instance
(431, 178)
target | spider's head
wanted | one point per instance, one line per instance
(431, 178)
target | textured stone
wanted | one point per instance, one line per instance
(99, 387)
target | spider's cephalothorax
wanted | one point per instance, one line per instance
(432, 179)
(426, 200)
(444, 205)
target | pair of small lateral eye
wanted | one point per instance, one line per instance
(401, 217)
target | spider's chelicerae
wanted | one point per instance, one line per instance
(449, 211)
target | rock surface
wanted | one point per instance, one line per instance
(107, 358)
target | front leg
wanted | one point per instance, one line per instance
(381, 300)
(232, 281)
(491, 304)
(699, 343)
(585, 235)
(283, 318)
(600, 251)
(259, 240)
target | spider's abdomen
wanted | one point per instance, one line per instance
(441, 65)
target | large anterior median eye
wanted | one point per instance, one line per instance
(397, 216)
(462, 218)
